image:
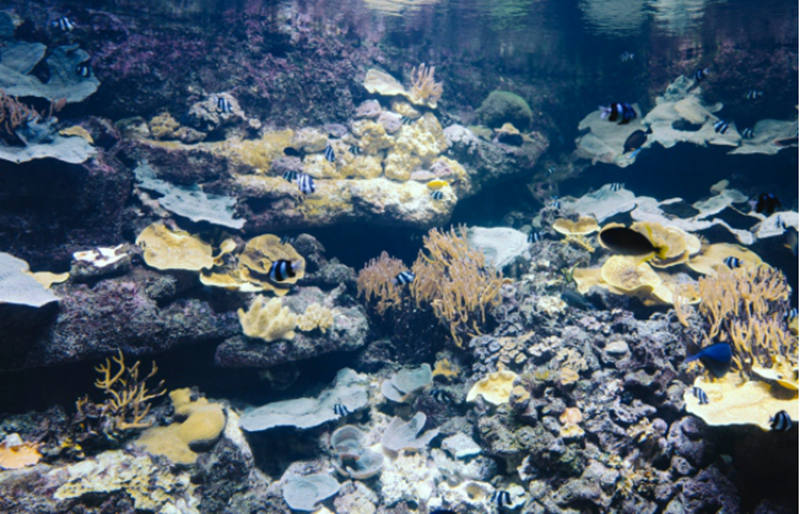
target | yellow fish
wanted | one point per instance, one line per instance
(436, 184)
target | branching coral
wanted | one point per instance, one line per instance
(424, 88)
(128, 396)
(449, 276)
(455, 280)
(745, 306)
(376, 282)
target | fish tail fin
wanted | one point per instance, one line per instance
(691, 358)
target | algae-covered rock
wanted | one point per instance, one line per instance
(505, 107)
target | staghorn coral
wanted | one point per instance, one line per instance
(424, 89)
(376, 282)
(128, 396)
(456, 282)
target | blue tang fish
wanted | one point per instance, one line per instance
(716, 358)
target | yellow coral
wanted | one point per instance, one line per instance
(268, 320)
(445, 369)
(173, 249)
(16, 453)
(203, 423)
(733, 402)
(495, 387)
(257, 257)
(315, 316)
(743, 306)
(256, 153)
(129, 396)
(455, 280)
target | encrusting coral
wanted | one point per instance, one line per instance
(16, 453)
(203, 423)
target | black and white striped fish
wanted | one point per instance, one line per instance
(405, 120)
(702, 397)
(437, 195)
(63, 24)
(780, 422)
(502, 498)
(340, 410)
(754, 94)
(616, 186)
(306, 183)
(721, 126)
(534, 236)
(283, 269)
(224, 105)
(290, 175)
(790, 315)
(355, 149)
(555, 203)
(748, 133)
(441, 396)
(732, 262)
(330, 155)
(403, 278)
(83, 70)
